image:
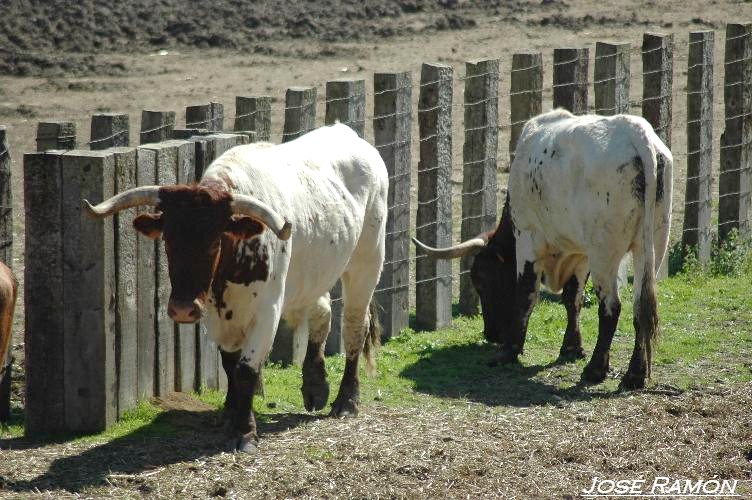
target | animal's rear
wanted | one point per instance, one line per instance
(8, 293)
(645, 307)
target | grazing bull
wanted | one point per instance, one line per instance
(8, 295)
(265, 234)
(583, 191)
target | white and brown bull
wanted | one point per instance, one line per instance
(583, 191)
(264, 235)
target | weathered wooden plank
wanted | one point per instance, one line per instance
(570, 79)
(479, 203)
(254, 114)
(392, 122)
(126, 271)
(156, 126)
(208, 116)
(146, 174)
(735, 181)
(43, 298)
(526, 93)
(6, 255)
(56, 135)
(300, 112)
(698, 195)
(433, 285)
(611, 85)
(109, 130)
(88, 294)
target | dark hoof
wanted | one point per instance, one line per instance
(315, 396)
(505, 358)
(631, 382)
(344, 407)
(570, 354)
(591, 375)
(247, 443)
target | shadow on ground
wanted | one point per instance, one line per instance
(462, 371)
(173, 436)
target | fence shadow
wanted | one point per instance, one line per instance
(462, 371)
(174, 436)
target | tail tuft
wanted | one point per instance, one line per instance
(373, 338)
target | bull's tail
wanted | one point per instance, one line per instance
(373, 338)
(645, 303)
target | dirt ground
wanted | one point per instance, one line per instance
(67, 60)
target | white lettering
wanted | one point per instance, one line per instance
(690, 489)
(728, 486)
(659, 485)
(711, 487)
(637, 485)
(591, 491)
(606, 486)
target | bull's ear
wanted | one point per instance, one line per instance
(243, 227)
(150, 225)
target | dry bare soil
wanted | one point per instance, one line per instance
(67, 60)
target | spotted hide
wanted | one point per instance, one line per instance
(264, 235)
(583, 192)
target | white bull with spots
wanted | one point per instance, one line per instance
(583, 191)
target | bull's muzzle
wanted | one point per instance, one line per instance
(185, 311)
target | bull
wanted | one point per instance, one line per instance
(264, 235)
(583, 191)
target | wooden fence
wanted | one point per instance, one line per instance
(97, 335)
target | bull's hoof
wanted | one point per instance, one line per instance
(505, 357)
(247, 443)
(344, 407)
(594, 375)
(568, 354)
(631, 382)
(315, 396)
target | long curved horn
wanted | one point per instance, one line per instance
(464, 249)
(143, 195)
(248, 205)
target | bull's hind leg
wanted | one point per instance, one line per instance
(315, 387)
(645, 320)
(571, 347)
(357, 289)
(609, 307)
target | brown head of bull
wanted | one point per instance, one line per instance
(194, 221)
(493, 273)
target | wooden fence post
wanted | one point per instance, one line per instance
(186, 134)
(89, 291)
(146, 174)
(657, 88)
(6, 255)
(479, 212)
(205, 116)
(109, 130)
(611, 75)
(392, 119)
(526, 93)
(156, 126)
(300, 112)
(56, 135)
(126, 265)
(70, 294)
(698, 196)
(611, 88)
(254, 114)
(735, 180)
(570, 79)
(43, 298)
(433, 278)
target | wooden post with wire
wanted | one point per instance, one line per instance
(479, 212)
(698, 195)
(526, 93)
(433, 278)
(570, 79)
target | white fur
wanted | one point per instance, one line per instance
(571, 195)
(332, 186)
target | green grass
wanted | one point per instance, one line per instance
(706, 321)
